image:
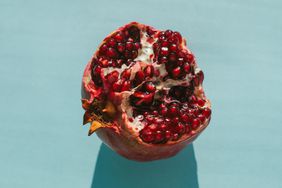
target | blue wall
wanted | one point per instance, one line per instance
(44, 46)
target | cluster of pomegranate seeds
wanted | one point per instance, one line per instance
(123, 45)
(179, 113)
(144, 95)
(121, 48)
(169, 52)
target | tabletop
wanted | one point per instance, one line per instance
(44, 47)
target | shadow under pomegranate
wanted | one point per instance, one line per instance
(114, 171)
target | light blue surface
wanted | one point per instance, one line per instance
(44, 46)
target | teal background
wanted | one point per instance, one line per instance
(44, 47)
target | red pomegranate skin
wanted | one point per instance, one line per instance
(117, 133)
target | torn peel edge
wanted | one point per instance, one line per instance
(95, 125)
(96, 122)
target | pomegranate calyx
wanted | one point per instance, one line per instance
(94, 126)
(97, 114)
(87, 117)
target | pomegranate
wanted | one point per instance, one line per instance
(142, 93)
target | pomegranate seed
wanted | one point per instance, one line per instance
(182, 54)
(103, 48)
(120, 47)
(175, 120)
(167, 120)
(158, 120)
(126, 86)
(201, 76)
(175, 136)
(163, 60)
(104, 63)
(119, 63)
(162, 34)
(172, 57)
(130, 119)
(163, 111)
(163, 127)
(116, 87)
(153, 127)
(192, 113)
(149, 31)
(111, 53)
(150, 87)
(113, 63)
(195, 123)
(168, 135)
(141, 99)
(126, 74)
(162, 105)
(139, 77)
(164, 51)
(187, 128)
(130, 39)
(129, 62)
(96, 76)
(190, 57)
(193, 99)
(173, 111)
(127, 54)
(159, 137)
(112, 77)
(136, 45)
(156, 47)
(149, 118)
(176, 72)
(147, 135)
(97, 70)
(134, 32)
(202, 118)
(129, 46)
(173, 40)
(201, 102)
(149, 71)
(177, 35)
(112, 43)
(206, 112)
(134, 54)
(186, 67)
(168, 33)
(119, 37)
(184, 118)
(180, 63)
(173, 47)
(162, 38)
(180, 128)
(155, 112)
(164, 44)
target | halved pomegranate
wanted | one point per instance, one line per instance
(142, 93)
